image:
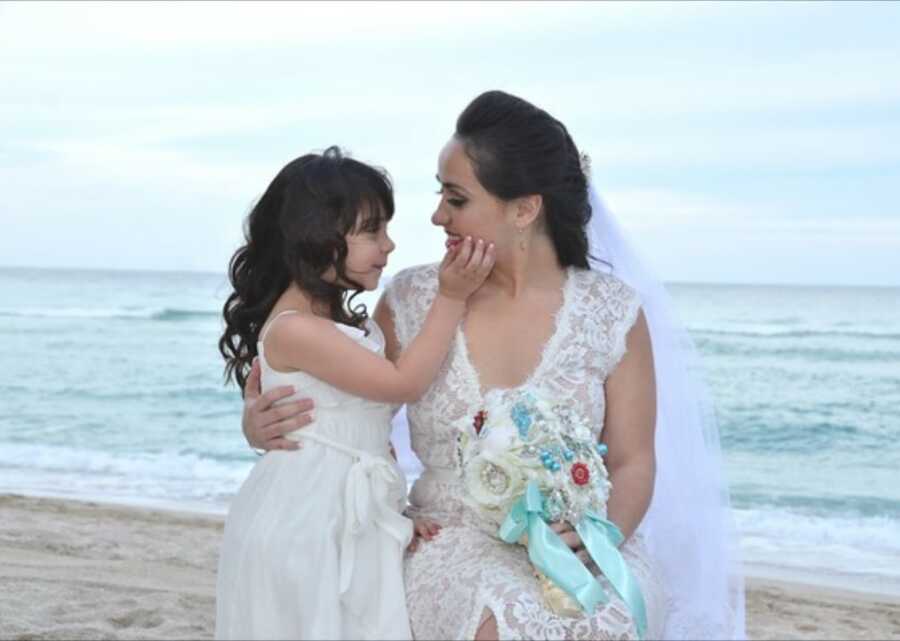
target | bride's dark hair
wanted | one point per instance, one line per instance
(516, 150)
(293, 235)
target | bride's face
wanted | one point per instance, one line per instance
(466, 208)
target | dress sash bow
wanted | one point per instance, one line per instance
(367, 503)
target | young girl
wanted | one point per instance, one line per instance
(314, 540)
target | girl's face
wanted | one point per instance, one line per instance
(367, 255)
(466, 208)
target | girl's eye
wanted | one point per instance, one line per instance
(367, 234)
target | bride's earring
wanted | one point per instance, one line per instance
(522, 238)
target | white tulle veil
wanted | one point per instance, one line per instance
(688, 528)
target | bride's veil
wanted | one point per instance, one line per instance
(688, 528)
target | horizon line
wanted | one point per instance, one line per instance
(140, 270)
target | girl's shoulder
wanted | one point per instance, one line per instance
(292, 328)
(293, 333)
(305, 327)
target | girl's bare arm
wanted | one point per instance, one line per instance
(314, 345)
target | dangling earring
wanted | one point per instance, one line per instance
(522, 238)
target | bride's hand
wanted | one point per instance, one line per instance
(264, 426)
(571, 538)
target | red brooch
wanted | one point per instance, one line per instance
(581, 474)
(479, 420)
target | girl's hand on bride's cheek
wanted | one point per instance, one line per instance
(265, 424)
(465, 267)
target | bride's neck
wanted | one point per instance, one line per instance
(537, 267)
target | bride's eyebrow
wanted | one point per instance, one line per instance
(447, 185)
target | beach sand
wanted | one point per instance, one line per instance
(82, 570)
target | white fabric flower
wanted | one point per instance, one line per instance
(494, 480)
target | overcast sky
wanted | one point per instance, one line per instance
(736, 142)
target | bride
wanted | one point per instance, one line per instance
(569, 312)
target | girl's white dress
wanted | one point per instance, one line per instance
(314, 541)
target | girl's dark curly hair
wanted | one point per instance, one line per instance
(293, 235)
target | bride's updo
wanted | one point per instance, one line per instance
(516, 150)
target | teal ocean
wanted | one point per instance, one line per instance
(111, 389)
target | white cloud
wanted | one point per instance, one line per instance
(157, 168)
(806, 147)
(102, 25)
(694, 86)
(150, 117)
(655, 207)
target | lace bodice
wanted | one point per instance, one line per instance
(466, 573)
(588, 341)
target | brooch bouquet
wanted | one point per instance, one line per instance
(526, 463)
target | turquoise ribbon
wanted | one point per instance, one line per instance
(551, 556)
(602, 539)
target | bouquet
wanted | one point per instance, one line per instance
(526, 463)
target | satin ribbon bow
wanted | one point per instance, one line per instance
(367, 503)
(551, 556)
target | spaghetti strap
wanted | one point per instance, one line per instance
(268, 326)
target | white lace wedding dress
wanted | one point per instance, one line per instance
(456, 581)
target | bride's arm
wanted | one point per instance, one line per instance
(629, 431)
(265, 424)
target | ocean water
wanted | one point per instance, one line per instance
(111, 389)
